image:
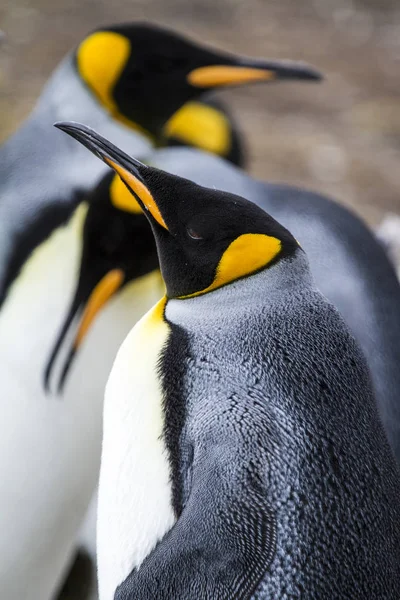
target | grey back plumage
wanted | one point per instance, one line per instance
(348, 264)
(287, 486)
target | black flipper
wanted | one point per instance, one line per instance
(222, 544)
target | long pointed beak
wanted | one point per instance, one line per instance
(129, 169)
(99, 296)
(247, 71)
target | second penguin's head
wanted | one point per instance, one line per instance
(142, 74)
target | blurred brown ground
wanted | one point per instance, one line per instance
(341, 137)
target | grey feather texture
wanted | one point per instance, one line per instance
(349, 265)
(289, 487)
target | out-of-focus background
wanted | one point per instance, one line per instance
(341, 137)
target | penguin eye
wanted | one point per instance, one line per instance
(136, 74)
(193, 234)
(164, 64)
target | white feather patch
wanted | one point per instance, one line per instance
(50, 446)
(135, 497)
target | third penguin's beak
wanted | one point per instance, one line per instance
(129, 169)
(248, 71)
(91, 295)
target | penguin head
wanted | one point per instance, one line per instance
(205, 238)
(118, 247)
(142, 74)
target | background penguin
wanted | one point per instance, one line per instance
(55, 442)
(127, 80)
(43, 221)
(349, 265)
(243, 455)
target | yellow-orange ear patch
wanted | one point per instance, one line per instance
(140, 190)
(202, 126)
(244, 256)
(122, 198)
(222, 75)
(101, 58)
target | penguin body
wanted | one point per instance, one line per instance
(270, 476)
(128, 80)
(348, 264)
(243, 454)
(54, 441)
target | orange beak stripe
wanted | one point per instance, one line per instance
(220, 75)
(140, 190)
(103, 291)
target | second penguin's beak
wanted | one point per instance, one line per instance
(248, 71)
(129, 169)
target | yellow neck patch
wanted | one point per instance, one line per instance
(101, 59)
(201, 126)
(156, 315)
(122, 198)
(244, 256)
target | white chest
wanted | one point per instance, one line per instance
(135, 497)
(35, 467)
(50, 446)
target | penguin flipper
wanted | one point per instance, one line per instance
(221, 545)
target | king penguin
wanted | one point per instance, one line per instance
(349, 265)
(243, 454)
(127, 80)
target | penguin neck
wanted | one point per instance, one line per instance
(41, 166)
(68, 98)
(65, 97)
(251, 294)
